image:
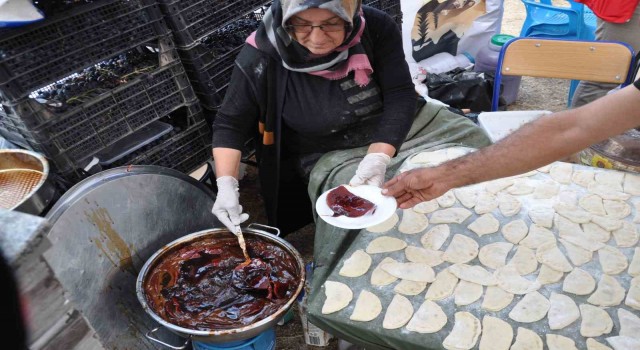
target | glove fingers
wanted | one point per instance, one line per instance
(356, 180)
(225, 220)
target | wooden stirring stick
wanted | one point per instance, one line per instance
(243, 246)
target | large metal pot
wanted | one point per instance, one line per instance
(226, 335)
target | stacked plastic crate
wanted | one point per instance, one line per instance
(97, 84)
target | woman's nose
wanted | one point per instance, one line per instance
(317, 34)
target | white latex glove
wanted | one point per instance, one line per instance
(371, 170)
(227, 207)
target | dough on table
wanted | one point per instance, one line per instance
(537, 236)
(636, 219)
(496, 299)
(426, 207)
(561, 172)
(629, 324)
(579, 282)
(356, 265)
(447, 200)
(627, 235)
(527, 340)
(595, 232)
(549, 254)
(431, 158)
(593, 204)
(616, 209)
(465, 332)
(533, 307)
(494, 255)
(623, 343)
(508, 204)
(606, 223)
(592, 344)
(443, 286)
(595, 321)
(485, 203)
(428, 319)
(545, 169)
(583, 177)
(542, 216)
(407, 287)
(563, 311)
(524, 260)
(521, 187)
(578, 255)
(462, 249)
(515, 231)
(380, 277)
(385, 225)
(338, 295)
(398, 313)
(632, 184)
(546, 190)
(435, 238)
(559, 342)
(569, 197)
(573, 213)
(467, 293)
(484, 225)
(498, 185)
(473, 273)
(633, 295)
(496, 334)
(412, 222)
(368, 307)
(510, 281)
(385, 244)
(422, 255)
(467, 196)
(606, 192)
(612, 260)
(634, 267)
(573, 233)
(611, 179)
(608, 293)
(547, 275)
(450, 216)
(417, 272)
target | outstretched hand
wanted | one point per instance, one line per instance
(415, 186)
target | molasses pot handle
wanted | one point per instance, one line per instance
(149, 333)
(269, 229)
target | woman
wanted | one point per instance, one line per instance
(316, 78)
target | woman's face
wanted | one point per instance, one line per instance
(318, 41)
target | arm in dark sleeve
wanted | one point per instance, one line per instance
(237, 118)
(392, 74)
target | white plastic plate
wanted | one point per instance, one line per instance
(385, 207)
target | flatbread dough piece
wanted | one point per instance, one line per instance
(465, 332)
(524, 260)
(583, 177)
(633, 295)
(385, 225)
(546, 190)
(573, 233)
(435, 238)
(431, 158)
(428, 319)
(385, 244)
(417, 272)
(579, 282)
(496, 299)
(561, 172)
(527, 340)
(380, 277)
(612, 260)
(606, 192)
(368, 307)
(412, 222)
(486, 202)
(533, 307)
(521, 188)
(426, 207)
(468, 196)
(407, 287)
(462, 249)
(498, 185)
(632, 184)
(627, 235)
(450, 216)
(547, 275)
(447, 200)
(398, 313)
(624, 343)
(510, 281)
(629, 324)
(515, 231)
(636, 219)
(545, 169)
(616, 209)
(422, 255)
(569, 197)
(473, 273)
(549, 254)
(595, 321)
(572, 213)
(467, 293)
(494, 255)
(537, 236)
(608, 293)
(592, 344)
(356, 265)
(606, 223)
(484, 225)
(542, 216)
(563, 311)
(496, 334)
(443, 286)
(508, 204)
(596, 233)
(610, 178)
(338, 295)
(634, 267)
(577, 255)
(593, 204)
(558, 342)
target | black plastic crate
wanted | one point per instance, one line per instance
(192, 20)
(36, 55)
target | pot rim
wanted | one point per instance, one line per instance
(195, 236)
(45, 172)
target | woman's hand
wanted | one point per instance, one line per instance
(227, 206)
(415, 186)
(371, 170)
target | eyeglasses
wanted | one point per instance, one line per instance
(308, 28)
